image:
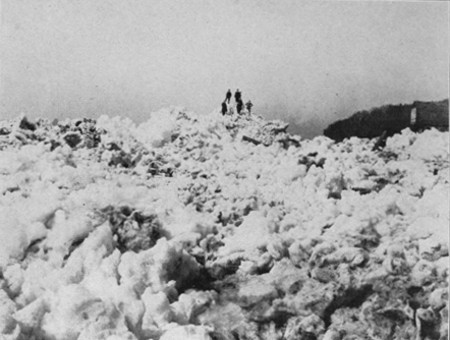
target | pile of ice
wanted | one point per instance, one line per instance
(210, 227)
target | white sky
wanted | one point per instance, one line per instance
(310, 62)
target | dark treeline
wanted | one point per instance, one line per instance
(392, 119)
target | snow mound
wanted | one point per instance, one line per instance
(220, 227)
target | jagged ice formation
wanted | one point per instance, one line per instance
(210, 227)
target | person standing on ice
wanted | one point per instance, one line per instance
(224, 108)
(228, 97)
(249, 105)
(237, 96)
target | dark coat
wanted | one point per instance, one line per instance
(237, 96)
(224, 108)
(239, 106)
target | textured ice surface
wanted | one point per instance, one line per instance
(211, 227)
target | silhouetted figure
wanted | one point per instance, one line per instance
(228, 98)
(224, 108)
(249, 105)
(237, 95)
(381, 142)
(239, 106)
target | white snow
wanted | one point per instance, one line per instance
(232, 203)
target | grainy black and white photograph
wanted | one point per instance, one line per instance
(224, 170)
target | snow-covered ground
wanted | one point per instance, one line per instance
(210, 227)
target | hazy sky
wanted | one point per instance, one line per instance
(309, 62)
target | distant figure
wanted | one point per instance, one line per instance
(239, 106)
(228, 98)
(224, 108)
(381, 142)
(237, 95)
(249, 105)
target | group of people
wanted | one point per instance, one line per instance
(238, 101)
